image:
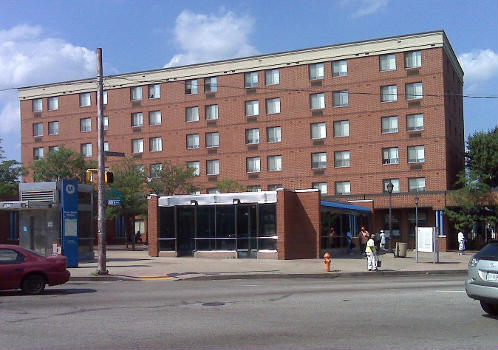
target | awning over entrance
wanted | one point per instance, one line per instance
(350, 208)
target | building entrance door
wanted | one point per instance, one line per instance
(247, 230)
(185, 231)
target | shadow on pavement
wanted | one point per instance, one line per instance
(51, 291)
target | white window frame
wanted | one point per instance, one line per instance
(154, 91)
(273, 105)
(51, 129)
(319, 160)
(253, 164)
(275, 163)
(343, 188)
(213, 167)
(38, 105)
(413, 59)
(252, 108)
(210, 84)
(414, 91)
(137, 146)
(416, 154)
(192, 114)
(389, 124)
(137, 119)
(390, 155)
(86, 150)
(106, 146)
(191, 87)
(342, 159)
(343, 126)
(212, 139)
(321, 186)
(212, 112)
(38, 153)
(104, 97)
(106, 122)
(413, 122)
(340, 98)
(251, 80)
(53, 148)
(53, 103)
(274, 134)
(155, 144)
(317, 71)
(274, 187)
(387, 62)
(85, 124)
(395, 182)
(252, 136)
(85, 99)
(254, 188)
(340, 68)
(415, 184)
(318, 131)
(37, 129)
(317, 101)
(272, 77)
(136, 93)
(389, 93)
(155, 118)
(196, 165)
(193, 141)
(155, 170)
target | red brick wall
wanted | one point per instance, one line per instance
(298, 224)
(153, 225)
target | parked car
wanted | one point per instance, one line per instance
(482, 283)
(27, 270)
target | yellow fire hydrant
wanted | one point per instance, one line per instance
(326, 261)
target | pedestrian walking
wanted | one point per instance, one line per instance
(363, 238)
(371, 251)
(461, 243)
(349, 242)
(382, 240)
(332, 236)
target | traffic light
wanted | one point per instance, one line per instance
(88, 176)
(109, 177)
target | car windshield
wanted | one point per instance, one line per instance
(489, 252)
(33, 252)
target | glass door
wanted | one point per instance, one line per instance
(247, 228)
(186, 222)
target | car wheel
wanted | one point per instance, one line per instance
(490, 308)
(33, 284)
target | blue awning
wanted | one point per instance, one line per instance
(344, 206)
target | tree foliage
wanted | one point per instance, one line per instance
(227, 185)
(482, 157)
(10, 172)
(61, 164)
(171, 179)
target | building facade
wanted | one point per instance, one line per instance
(345, 119)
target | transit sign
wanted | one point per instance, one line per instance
(113, 154)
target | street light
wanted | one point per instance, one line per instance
(416, 229)
(390, 188)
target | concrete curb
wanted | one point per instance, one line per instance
(217, 277)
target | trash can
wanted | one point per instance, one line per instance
(400, 251)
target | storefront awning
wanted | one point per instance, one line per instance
(345, 207)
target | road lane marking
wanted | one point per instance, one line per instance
(155, 278)
(451, 291)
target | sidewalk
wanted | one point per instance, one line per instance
(138, 265)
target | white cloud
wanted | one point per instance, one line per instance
(479, 65)
(28, 58)
(365, 7)
(205, 38)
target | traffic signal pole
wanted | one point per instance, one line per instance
(101, 234)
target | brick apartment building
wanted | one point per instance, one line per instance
(344, 119)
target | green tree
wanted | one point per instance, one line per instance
(171, 179)
(129, 183)
(10, 173)
(227, 185)
(62, 164)
(482, 157)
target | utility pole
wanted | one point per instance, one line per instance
(102, 269)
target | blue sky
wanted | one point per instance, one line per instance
(51, 41)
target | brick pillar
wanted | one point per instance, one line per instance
(153, 225)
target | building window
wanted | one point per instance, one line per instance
(212, 139)
(395, 224)
(414, 122)
(86, 124)
(317, 71)
(212, 191)
(255, 188)
(192, 114)
(341, 128)
(155, 170)
(86, 149)
(193, 141)
(340, 68)
(38, 153)
(85, 99)
(191, 87)
(137, 146)
(416, 184)
(342, 188)
(274, 187)
(252, 136)
(53, 148)
(272, 77)
(104, 96)
(273, 106)
(106, 123)
(155, 118)
(106, 146)
(274, 163)
(37, 105)
(274, 134)
(390, 155)
(136, 93)
(388, 93)
(413, 59)
(53, 128)
(212, 112)
(387, 62)
(137, 119)
(321, 186)
(389, 124)
(416, 154)
(155, 91)
(341, 98)
(252, 108)
(213, 167)
(251, 80)
(196, 167)
(395, 183)
(53, 103)
(253, 165)
(38, 129)
(155, 144)
(414, 91)
(319, 160)
(317, 101)
(318, 131)
(342, 159)
(211, 84)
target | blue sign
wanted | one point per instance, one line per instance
(69, 217)
(114, 202)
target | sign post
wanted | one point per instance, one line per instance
(69, 225)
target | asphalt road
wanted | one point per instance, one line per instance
(428, 312)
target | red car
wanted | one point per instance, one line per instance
(30, 271)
